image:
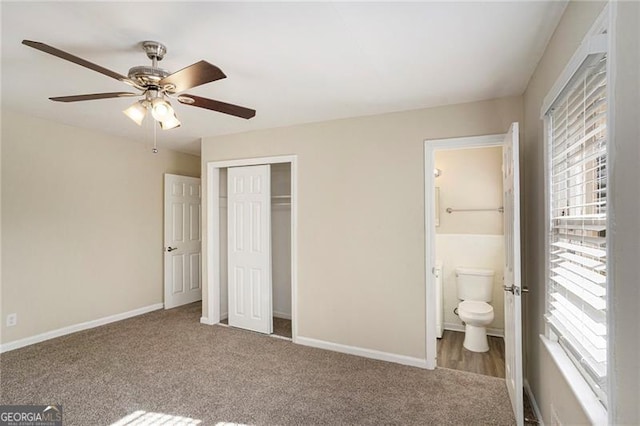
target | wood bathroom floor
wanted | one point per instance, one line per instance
(281, 327)
(451, 354)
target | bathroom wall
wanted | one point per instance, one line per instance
(280, 241)
(470, 178)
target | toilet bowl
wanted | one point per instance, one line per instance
(475, 291)
(476, 317)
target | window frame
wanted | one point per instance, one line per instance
(596, 41)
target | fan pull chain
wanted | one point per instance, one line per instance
(155, 138)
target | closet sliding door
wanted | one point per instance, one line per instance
(249, 248)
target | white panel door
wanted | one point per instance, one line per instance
(182, 243)
(249, 247)
(512, 282)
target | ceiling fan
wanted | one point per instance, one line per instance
(155, 85)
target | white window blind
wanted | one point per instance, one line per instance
(577, 252)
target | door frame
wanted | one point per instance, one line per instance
(212, 314)
(430, 147)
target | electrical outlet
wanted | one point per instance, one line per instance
(12, 319)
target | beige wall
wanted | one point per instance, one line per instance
(81, 224)
(470, 179)
(624, 199)
(361, 256)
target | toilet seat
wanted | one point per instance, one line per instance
(476, 316)
(473, 310)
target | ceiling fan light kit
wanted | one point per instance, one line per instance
(161, 109)
(155, 85)
(170, 123)
(136, 112)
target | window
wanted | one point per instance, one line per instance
(576, 311)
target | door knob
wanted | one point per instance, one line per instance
(515, 290)
(172, 248)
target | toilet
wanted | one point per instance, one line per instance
(475, 290)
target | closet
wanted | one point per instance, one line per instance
(255, 248)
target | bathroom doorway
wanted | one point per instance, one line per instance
(478, 286)
(469, 234)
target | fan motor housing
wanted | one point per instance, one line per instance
(146, 75)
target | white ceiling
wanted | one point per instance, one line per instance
(292, 62)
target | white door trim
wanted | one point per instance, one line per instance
(430, 146)
(212, 315)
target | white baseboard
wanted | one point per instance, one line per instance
(534, 403)
(497, 332)
(205, 320)
(16, 344)
(363, 352)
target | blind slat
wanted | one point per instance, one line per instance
(582, 249)
(596, 354)
(577, 322)
(583, 226)
(586, 273)
(590, 263)
(581, 282)
(594, 320)
(579, 142)
(584, 239)
(588, 297)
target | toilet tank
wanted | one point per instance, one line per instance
(475, 284)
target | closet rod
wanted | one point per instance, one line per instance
(499, 209)
(273, 196)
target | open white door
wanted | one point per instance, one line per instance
(249, 247)
(182, 244)
(512, 282)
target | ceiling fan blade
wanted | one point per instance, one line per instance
(214, 105)
(194, 75)
(71, 58)
(77, 98)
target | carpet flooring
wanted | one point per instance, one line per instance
(166, 363)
